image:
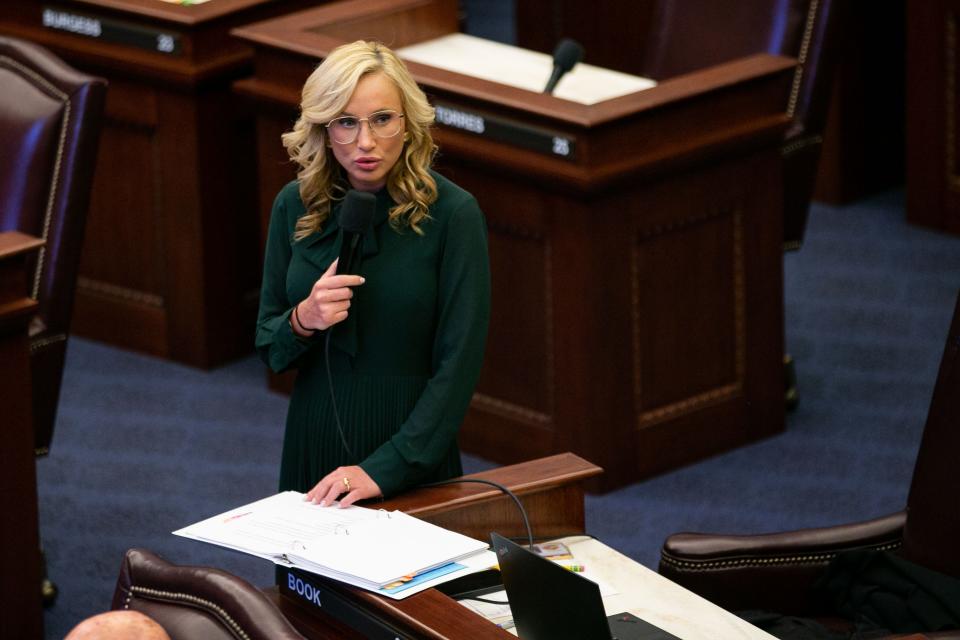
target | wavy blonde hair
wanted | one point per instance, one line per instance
(326, 94)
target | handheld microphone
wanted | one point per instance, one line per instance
(567, 54)
(356, 213)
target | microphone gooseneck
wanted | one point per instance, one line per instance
(565, 57)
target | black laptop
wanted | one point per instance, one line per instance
(550, 602)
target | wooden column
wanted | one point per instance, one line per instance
(20, 538)
(933, 114)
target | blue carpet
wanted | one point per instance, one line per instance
(145, 446)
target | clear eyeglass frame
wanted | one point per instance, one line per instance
(346, 129)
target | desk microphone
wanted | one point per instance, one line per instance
(567, 54)
(356, 213)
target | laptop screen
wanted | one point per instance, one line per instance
(548, 602)
(551, 603)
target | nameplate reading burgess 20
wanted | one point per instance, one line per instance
(506, 130)
(110, 30)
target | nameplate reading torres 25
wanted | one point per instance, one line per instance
(110, 30)
(505, 130)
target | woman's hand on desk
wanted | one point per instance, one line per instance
(329, 300)
(352, 483)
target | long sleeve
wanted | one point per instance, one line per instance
(279, 347)
(463, 313)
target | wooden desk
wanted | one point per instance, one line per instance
(552, 493)
(629, 587)
(171, 260)
(863, 137)
(656, 599)
(639, 591)
(636, 256)
(20, 539)
(547, 487)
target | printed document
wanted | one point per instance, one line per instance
(390, 553)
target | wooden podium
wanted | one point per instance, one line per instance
(635, 243)
(170, 265)
(552, 493)
(20, 542)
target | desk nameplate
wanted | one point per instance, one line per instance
(315, 592)
(111, 30)
(506, 130)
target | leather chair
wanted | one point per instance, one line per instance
(197, 602)
(693, 34)
(776, 572)
(50, 117)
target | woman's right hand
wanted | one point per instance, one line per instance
(328, 302)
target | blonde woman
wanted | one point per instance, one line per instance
(408, 330)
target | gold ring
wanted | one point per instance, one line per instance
(346, 483)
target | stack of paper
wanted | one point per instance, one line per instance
(390, 553)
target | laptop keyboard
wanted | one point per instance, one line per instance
(626, 626)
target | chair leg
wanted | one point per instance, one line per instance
(791, 396)
(48, 590)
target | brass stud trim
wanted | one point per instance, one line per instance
(694, 566)
(16, 66)
(201, 603)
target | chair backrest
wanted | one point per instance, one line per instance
(50, 117)
(198, 602)
(932, 528)
(694, 34)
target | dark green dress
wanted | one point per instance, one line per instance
(405, 362)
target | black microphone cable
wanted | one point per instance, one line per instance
(516, 500)
(523, 514)
(503, 489)
(333, 397)
(356, 214)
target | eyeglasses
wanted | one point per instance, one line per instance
(383, 124)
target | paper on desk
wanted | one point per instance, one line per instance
(495, 613)
(396, 545)
(517, 67)
(271, 527)
(366, 548)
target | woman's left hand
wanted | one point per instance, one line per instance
(352, 481)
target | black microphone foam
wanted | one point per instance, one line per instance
(356, 214)
(567, 54)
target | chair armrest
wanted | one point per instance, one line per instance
(774, 571)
